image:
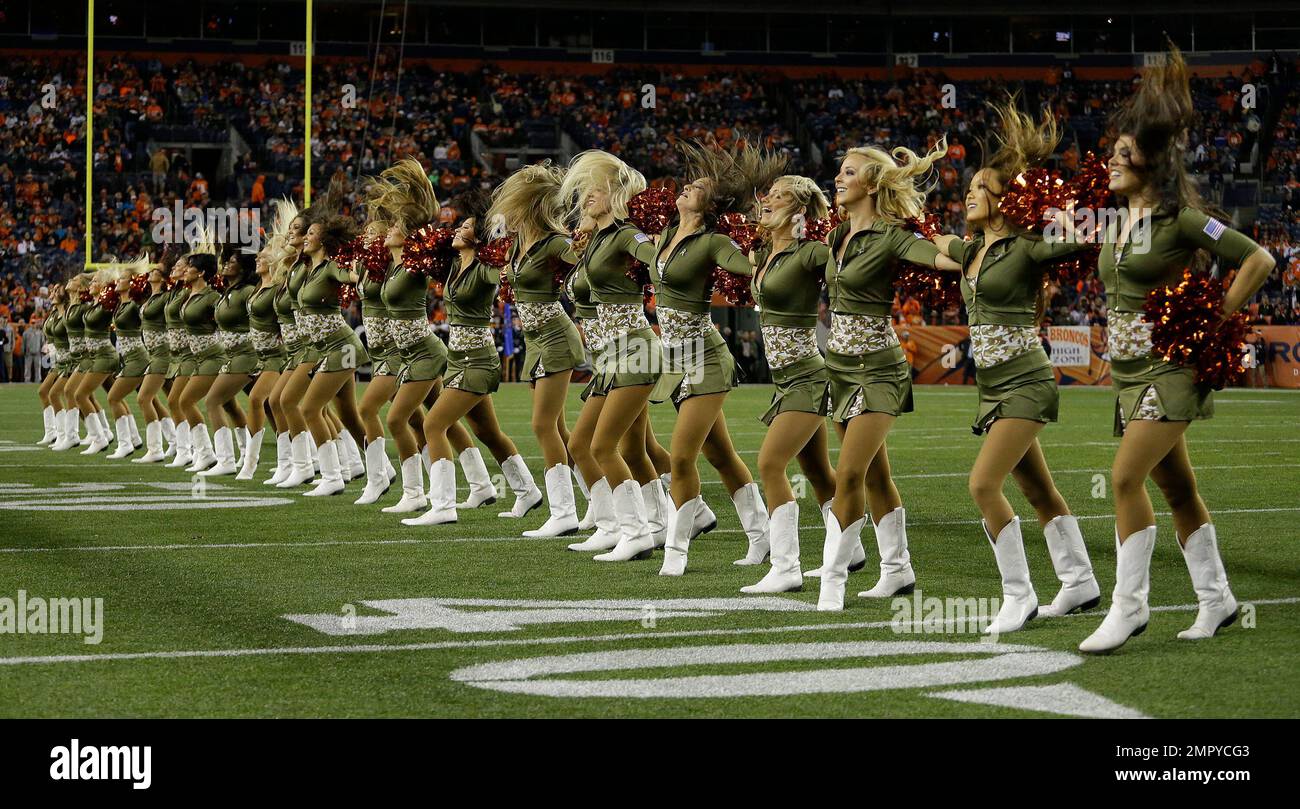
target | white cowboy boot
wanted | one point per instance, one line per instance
(125, 446)
(564, 509)
(635, 540)
(153, 441)
(520, 480)
(355, 466)
(1019, 601)
(376, 473)
(481, 490)
(896, 574)
(857, 560)
(753, 519)
(252, 451)
(135, 432)
(413, 498)
(442, 496)
(1079, 589)
(68, 438)
(100, 437)
(331, 472)
(784, 575)
(677, 550)
(607, 533)
(283, 459)
(1129, 611)
(658, 516)
(204, 453)
(836, 553)
(583, 523)
(300, 470)
(169, 435)
(184, 452)
(47, 421)
(223, 446)
(1217, 606)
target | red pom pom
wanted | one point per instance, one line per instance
(346, 254)
(494, 252)
(1090, 187)
(218, 283)
(1028, 198)
(85, 296)
(652, 210)
(1188, 329)
(139, 289)
(819, 229)
(937, 289)
(735, 227)
(375, 259)
(734, 288)
(929, 227)
(108, 298)
(428, 252)
(347, 295)
(1072, 269)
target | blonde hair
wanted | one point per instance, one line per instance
(738, 174)
(277, 250)
(529, 202)
(594, 169)
(1022, 144)
(901, 178)
(809, 199)
(402, 193)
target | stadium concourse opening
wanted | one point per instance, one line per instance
(392, 358)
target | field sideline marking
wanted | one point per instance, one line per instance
(470, 644)
(413, 541)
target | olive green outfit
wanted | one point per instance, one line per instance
(552, 344)
(861, 285)
(1146, 386)
(182, 358)
(101, 358)
(75, 319)
(332, 341)
(473, 364)
(584, 310)
(629, 353)
(133, 356)
(384, 359)
(264, 327)
(288, 328)
(421, 356)
(696, 356)
(198, 314)
(1020, 384)
(306, 353)
(786, 290)
(231, 314)
(55, 329)
(153, 327)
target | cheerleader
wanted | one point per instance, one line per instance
(700, 366)
(198, 313)
(269, 341)
(294, 466)
(53, 409)
(180, 366)
(870, 382)
(337, 349)
(528, 206)
(383, 369)
(1002, 282)
(611, 425)
(158, 425)
(473, 370)
(100, 358)
(131, 288)
(239, 359)
(72, 325)
(787, 288)
(1157, 400)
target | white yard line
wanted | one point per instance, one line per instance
(370, 648)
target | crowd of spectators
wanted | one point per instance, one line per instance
(230, 133)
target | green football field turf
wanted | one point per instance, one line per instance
(196, 591)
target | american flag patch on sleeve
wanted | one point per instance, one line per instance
(917, 234)
(641, 238)
(1214, 229)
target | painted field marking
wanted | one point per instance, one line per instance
(114, 496)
